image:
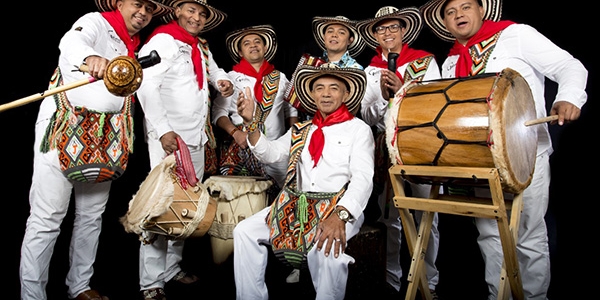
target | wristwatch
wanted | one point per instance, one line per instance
(343, 214)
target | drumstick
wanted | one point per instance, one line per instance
(541, 120)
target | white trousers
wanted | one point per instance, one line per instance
(49, 199)
(394, 237)
(250, 255)
(159, 261)
(533, 250)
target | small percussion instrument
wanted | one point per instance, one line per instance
(237, 197)
(166, 206)
(290, 94)
(474, 121)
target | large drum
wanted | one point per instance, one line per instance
(475, 121)
(164, 206)
(237, 197)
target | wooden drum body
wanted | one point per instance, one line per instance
(237, 197)
(475, 121)
(163, 206)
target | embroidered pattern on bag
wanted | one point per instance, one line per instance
(92, 146)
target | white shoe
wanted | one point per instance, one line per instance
(294, 276)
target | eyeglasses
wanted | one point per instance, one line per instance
(393, 28)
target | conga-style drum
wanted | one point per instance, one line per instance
(166, 206)
(237, 197)
(475, 121)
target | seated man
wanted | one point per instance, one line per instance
(326, 189)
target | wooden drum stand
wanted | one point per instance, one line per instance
(495, 208)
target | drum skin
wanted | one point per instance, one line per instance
(475, 121)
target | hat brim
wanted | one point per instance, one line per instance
(319, 24)
(110, 5)
(355, 78)
(265, 31)
(410, 16)
(215, 16)
(432, 14)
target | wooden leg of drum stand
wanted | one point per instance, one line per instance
(417, 245)
(466, 206)
(515, 283)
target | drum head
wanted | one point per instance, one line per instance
(514, 145)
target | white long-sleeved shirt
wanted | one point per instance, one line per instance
(525, 50)
(275, 124)
(169, 93)
(90, 35)
(374, 106)
(348, 155)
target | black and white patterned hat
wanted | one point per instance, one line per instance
(432, 14)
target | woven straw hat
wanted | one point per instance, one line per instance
(432, 15)
(110, 5)
(214, 18)
(306, 75)
(266, 32)
(410, 16)
(319, 24)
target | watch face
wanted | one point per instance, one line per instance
(344, 215)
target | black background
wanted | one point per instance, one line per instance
(31, 54)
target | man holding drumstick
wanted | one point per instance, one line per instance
(175, 98)
(93, 40)
(482, 43)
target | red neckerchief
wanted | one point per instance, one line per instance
(246, 68)
(406, 55)
(115, 19)
(179, 33)
(317, 141)
(464, 63)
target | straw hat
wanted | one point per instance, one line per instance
(410, 16)
(214, 18)
(355, 78)
(110, 5)
(266, 32)
(319, 24)
(432, 15)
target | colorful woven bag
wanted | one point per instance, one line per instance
(92, 146)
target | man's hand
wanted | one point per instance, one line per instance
(96, 66)
(169, 141)
(240, 138)
(225, 87)
(389, 81)
(245, 105)
(566, 112)
(329, 231)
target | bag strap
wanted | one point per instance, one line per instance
(185, 168)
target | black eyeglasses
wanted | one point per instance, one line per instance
(393, 28)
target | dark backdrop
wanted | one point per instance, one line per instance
(30, 47)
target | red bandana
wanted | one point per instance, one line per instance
(179, 33)
(317, 141)
(464, 63)
(246, 68)
(115, 19)
(406, 55)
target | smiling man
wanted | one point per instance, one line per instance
(252, 48)
(175, 98)
(330, 160)
(392, 31)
